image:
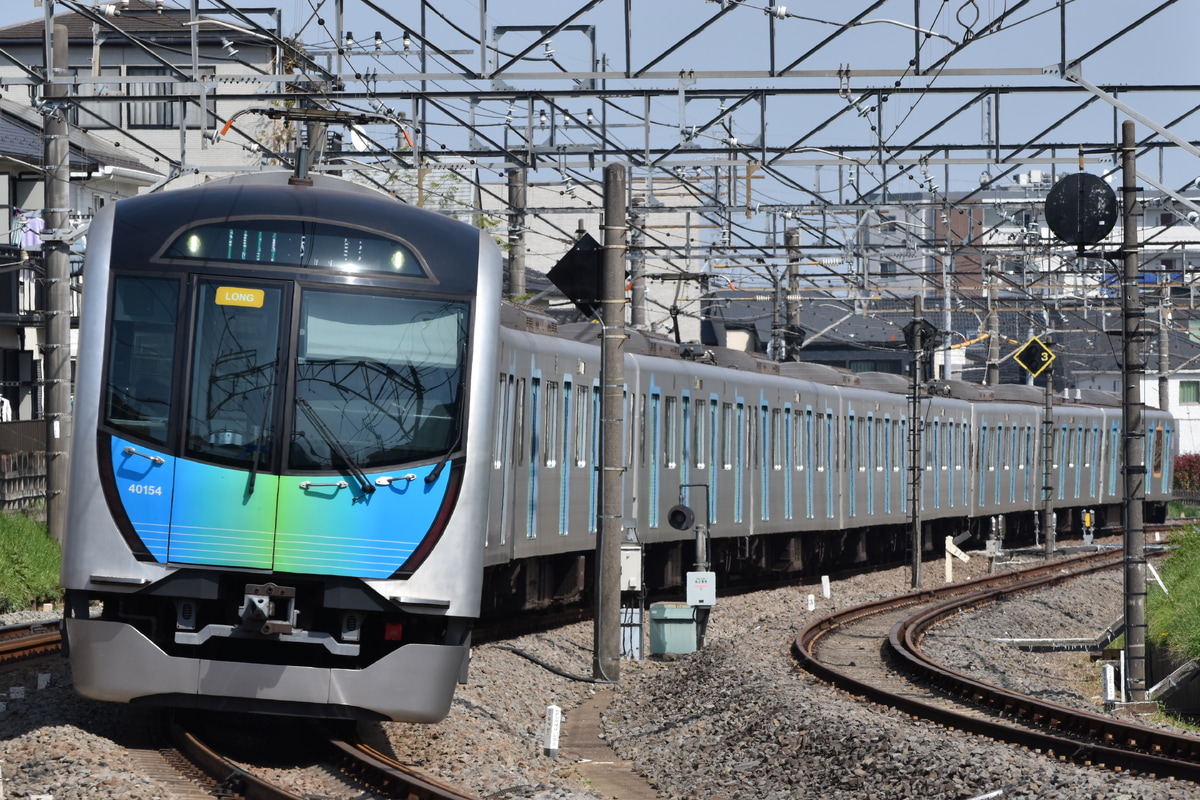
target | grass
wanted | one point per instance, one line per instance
(1174, 620)
(1177, 510)
(29, 561)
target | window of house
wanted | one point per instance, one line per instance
(1189, 391)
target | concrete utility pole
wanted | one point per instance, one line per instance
(916, 424)
(993, 354)
(1049, 526)
(1164, 349)
(606, 659)
(56, 352)
(637, 272)
(518, 183)
(1133, 370)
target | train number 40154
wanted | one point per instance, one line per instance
(140, 488)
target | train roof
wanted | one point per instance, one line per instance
(534, 320)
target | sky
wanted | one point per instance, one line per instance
(877, 54)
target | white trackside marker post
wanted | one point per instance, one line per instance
(825, 586)
(553, 725)
(952, 551)
(812, 603)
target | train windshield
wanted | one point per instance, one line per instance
(383, 374)
(376, 379)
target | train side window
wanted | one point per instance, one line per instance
(502, 421)
(726, 436)
(519, 421)
(1159, 451)
(776, 440)
(819, 443)
(948, 451)
(671, 445)
(551, 444)
(642, 429)
(141, 353)
(567, 422)
(581, 426)
(799, 439)
(699, 439)
(1002, 447)
(685, 430)
(930, 445)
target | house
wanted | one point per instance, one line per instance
(156, 84)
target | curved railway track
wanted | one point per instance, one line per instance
(864, 650)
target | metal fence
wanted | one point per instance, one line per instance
(23, 467)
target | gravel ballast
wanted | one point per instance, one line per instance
(736, 720)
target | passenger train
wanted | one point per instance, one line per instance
(312, 445)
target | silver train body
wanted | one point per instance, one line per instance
(274, 427)
(801, 467)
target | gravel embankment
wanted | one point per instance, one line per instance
(737, 720)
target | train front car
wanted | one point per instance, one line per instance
(273, 467)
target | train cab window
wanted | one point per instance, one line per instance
(382, 374)
(141, 352)
(234, 373)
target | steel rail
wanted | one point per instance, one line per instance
(1069, 734)
(29, 640)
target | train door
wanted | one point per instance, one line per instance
(226, 494)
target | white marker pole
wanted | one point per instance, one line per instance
(825, 586)
(553, 725)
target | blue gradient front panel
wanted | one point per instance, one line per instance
(331, 531)
(192, 513)
(145, 489)
(216, 521)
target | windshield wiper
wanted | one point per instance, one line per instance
(336, 446)
(262, 431)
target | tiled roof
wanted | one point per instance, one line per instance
(21, 138)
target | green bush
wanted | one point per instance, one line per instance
(1174, 620)
(29, 561)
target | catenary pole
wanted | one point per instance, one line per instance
(606, 661)
(56, 352)
(1133, 370)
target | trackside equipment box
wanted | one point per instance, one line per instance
(672, 629)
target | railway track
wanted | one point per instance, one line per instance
(30, 640)
(370, 772)
(874, 651)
